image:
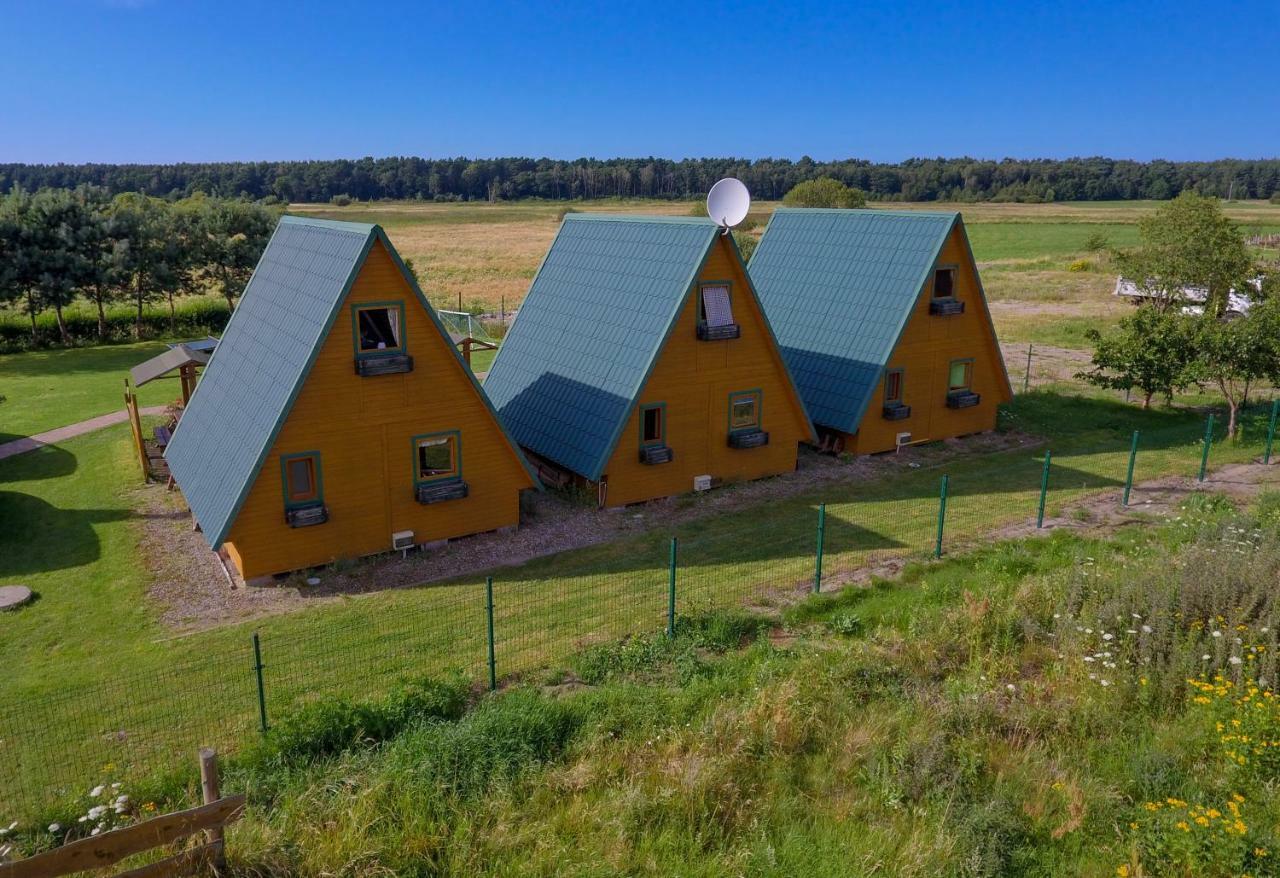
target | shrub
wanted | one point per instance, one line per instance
(341, 200)
(193, 316)
(1275, 197)
(1096, 242)
(715, 631)
(824, 192)
(332, 725)
(1080, 265)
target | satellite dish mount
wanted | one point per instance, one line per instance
(728, 203)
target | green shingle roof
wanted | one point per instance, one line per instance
(263, 359)
(838, 286)
(589, 330)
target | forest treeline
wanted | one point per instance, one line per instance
(454, 179)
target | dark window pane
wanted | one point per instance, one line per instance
(379, 328)
(301, 479)
(944, 283)
(435, 457)
(653, 425)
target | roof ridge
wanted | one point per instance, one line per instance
(869, 211)
(294, 219)
(641, 218)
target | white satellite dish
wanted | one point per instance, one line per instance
(728, 202)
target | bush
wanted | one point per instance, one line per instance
(1096, 242)
(1275, 197)
(1080, 265)
(824, 192)
(341, 200)
(194, 316)
(333, 725)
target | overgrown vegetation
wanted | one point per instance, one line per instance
(1061, 706)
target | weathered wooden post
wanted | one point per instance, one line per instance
(209, 793)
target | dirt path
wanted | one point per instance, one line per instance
(61, 434)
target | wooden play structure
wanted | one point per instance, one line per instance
(642, 364)
(337, 419)
(185, 359)
(884, 323)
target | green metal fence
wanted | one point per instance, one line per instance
(521, 620)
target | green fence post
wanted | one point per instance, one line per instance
(822, 533)
(671, 592)
(1044, 488)
(1026, 379)
(942, 515)
(262, 692)
(1208, 441)
(1128, 479)
(493, 653)
(1271, 430)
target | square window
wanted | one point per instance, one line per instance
(944, 283)
(436, 457)
(301, 476)
(744, 411)
(960, 376)
(378, 328)
(715, 307)
(652, 425)
(893, 387)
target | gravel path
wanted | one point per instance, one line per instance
(61, 434)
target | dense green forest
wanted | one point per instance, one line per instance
(961, 179)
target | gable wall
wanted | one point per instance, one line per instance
(694, 378)
(363, 429)
(928, 345)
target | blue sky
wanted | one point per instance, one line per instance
(139, 81)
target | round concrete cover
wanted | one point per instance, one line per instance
(12, 596)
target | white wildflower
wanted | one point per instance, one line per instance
(1009, 686)
(96, 791)
(1146, 629)
(1205, 657)
(1105, 682)
(1217, 634)
(1108, 637)
(1235, 660)
(55, 827)
(1088, 658)
(96, 830)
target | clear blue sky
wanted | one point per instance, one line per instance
(156, 81)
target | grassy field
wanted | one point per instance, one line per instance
(47, 389)
(101, 680)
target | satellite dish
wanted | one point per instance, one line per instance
(728, 202)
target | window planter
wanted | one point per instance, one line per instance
(962, 399)
(306, 516)
(723, 332)
(897, 412)
(391, 364)
(439, 492)
(656, 454)
(945, 307)
(748, 439)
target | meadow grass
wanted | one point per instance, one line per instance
(1036, 707)
(98, 686)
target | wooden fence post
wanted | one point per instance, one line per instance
(209, 794)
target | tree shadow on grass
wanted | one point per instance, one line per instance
(37, 537)
(45, 462)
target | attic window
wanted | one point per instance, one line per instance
(960, 376)
(944, 283)
(715, 312)
(744, 410)
(379, 329)
(893, 387)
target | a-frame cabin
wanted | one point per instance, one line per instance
(882, 318)
(336, 419)
(641, 362)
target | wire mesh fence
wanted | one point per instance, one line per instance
(145, 721)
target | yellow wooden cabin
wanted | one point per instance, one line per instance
(641, 363)
(336, 419)
(883, 321)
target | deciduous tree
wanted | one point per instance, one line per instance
(1150, 351)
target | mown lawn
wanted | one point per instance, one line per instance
(97, 680)
(54, 388)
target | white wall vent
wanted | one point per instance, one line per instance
(402, 540)
(702, 483)
(904, 439)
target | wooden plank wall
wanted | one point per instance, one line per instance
(694, 378)
(363, 429)
(928, 345)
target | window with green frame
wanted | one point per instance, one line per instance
(378, 328)
(301, 480)
(960, 376)
(744, 410)
(893, 387)
(715, 307)
(653, 424)
(437, 457)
